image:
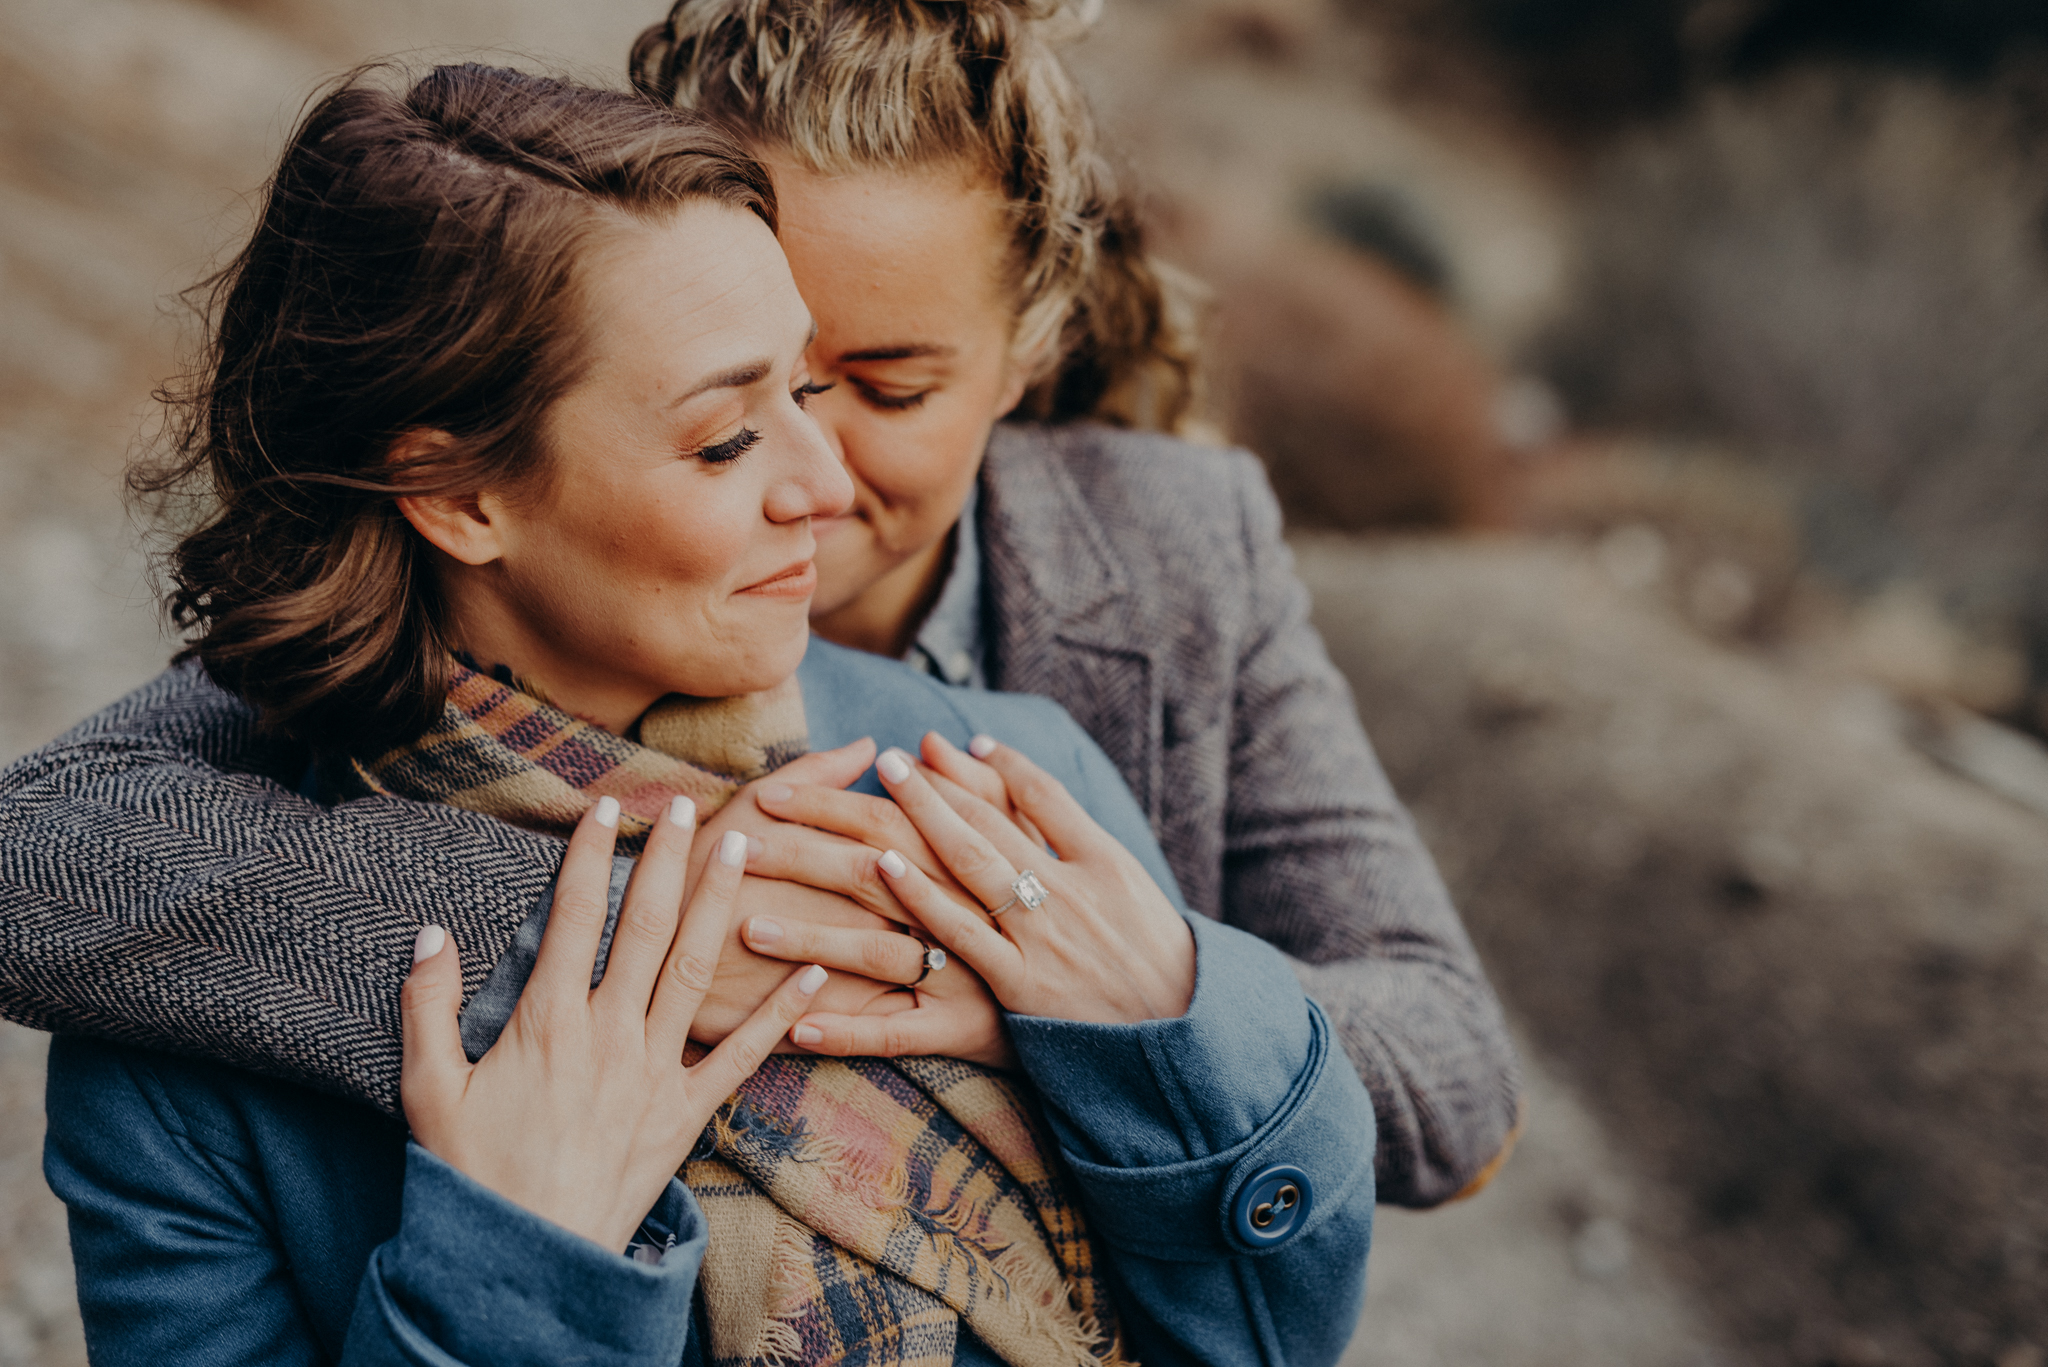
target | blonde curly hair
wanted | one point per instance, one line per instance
(859, 84)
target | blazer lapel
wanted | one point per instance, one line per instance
(1062, 614)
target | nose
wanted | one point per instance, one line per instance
(814, 482)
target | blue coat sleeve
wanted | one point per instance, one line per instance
(1225, 1159)
(218, 1219)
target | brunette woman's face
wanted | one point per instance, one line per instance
(669, 549)
(905, 272)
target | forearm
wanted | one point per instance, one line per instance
(1323, 863)
(149, 897)
(472, 1278)
(1179, 1132)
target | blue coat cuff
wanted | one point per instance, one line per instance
(472, 1277)
(1163, 1122)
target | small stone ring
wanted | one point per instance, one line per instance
(1026, 889)
(934, 958)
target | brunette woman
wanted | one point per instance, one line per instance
(967, 254)
(509, 530)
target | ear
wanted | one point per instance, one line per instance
(1024, 367)
(459, 524)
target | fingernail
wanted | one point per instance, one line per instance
(428, 943)
(807, 1034)
(732, 849)
(755, 846)
(763, 931)
(777, 792)
(681, 811)
(981, 747)
(894, 767)
(607, 812)
(892, 864)
(813, 978)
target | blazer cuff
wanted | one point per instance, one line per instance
(473, 1277)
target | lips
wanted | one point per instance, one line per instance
(796, 581)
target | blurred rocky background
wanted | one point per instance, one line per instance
(1660, 392)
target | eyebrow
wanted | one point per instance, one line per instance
(739, 377)
(911, 352)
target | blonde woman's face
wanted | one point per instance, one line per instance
(905, 273)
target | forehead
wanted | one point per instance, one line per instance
(926, 248)
(688, 289)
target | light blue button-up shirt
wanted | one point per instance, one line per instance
(949, 646)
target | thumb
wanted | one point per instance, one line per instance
(830, 768)
(435, 1066)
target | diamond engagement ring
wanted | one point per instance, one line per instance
(934, 958)
(1028, 890)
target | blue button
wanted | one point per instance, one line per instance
(1272, 1206)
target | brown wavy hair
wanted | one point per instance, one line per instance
(852, 84)
(413, 268)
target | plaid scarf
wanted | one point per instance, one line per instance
(859, 1209)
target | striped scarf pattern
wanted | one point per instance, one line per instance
(860, 1209)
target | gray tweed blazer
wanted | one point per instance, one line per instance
(1141, 582)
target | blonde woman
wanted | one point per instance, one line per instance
(968, 256)
(510, 503)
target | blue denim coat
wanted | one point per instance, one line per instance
(221, 1218)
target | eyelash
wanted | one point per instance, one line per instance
(732, 448)
(742, 441)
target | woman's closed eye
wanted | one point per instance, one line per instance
(882, 398)
(732, 448)
(803, 394)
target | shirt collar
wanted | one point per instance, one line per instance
(949, 645)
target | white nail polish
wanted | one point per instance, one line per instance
(429, 943)
(892, 864)
(732, 849)
(894, 767)
(607, 812)
(806, 1035)
(981, 747)
(810, 981)
(682, 811)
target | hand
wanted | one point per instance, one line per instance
(583, 1109)
(1105, 947)
(946, 1010)
(745, 979)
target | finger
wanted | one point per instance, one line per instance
(433, 1066)
(1072, 833)
(904, 1034)
(948, 759)
(968, 934)
(652, 909)
(734, 1061)
(884, 955)
(693, 958)
(568, 947)
(830, 864)
(828, 768)
(979, 866)
(860, 817)
(965, 770)
(998, 827)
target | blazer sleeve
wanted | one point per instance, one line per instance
(161, 844)
(1322, 861)
(1224, 1159)
(175, 1231)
